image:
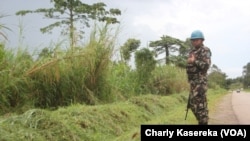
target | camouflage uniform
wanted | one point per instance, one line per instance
(197, 77)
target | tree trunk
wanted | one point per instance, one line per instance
(167, 55)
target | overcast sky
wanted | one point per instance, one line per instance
(225, 24)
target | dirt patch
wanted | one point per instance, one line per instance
(224, 113)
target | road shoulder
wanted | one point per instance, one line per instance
(224, 112)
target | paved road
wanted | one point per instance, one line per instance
(241, 107)
(234, 108)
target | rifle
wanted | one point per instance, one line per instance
(188, 105)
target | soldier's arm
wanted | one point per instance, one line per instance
(205, 61)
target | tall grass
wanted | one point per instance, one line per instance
(3, 35)
(168, 79)
(123, 80)
(14, 85)
(86, 75)
(75, 76)
(59, 79)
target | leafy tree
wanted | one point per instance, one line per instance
(168, 45)
(246, 76)
(217, 77)
(214, 68)
(145, 64)
(181, 59)
(235, 83)
(69, 12)
(46, 52)
(129, 47)
(185, 47)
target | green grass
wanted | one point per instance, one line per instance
(214, 97)
(117, 121)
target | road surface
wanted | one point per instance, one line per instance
(234, 108)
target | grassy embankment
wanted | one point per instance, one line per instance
(116, 121)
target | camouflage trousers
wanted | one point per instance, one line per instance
(198, 102)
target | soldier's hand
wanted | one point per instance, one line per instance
(191, 58)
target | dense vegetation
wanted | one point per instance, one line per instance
(82, 92)
(86, 76)
(85, 95)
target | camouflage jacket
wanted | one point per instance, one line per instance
(197, 71)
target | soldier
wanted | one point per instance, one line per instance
(198, 63)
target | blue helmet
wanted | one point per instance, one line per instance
(197, 34)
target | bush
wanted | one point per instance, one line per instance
(168, 79)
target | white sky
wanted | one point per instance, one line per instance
(225, 24)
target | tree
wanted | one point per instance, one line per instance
(46, 52)
(246, 76)
(144, 60)
(129, 47)
(168, 45)
(235, 83)
(181, 59)
(145, 64)
(217, 77)
(69, 12)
